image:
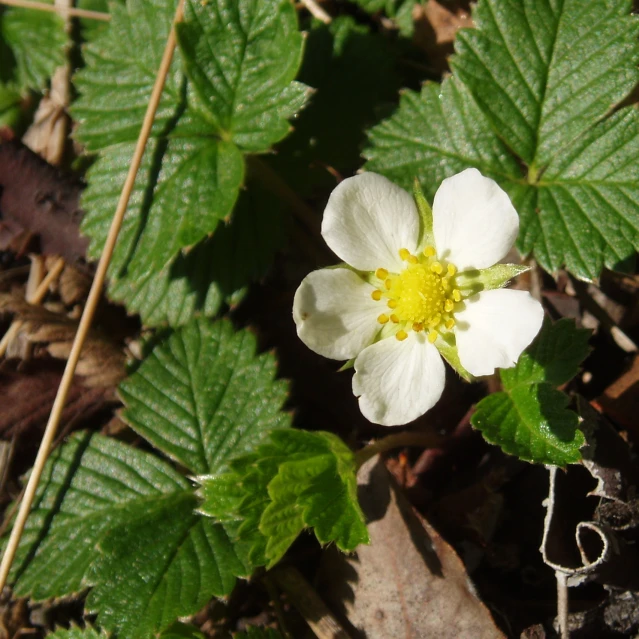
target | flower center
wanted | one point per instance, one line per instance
(422, 297)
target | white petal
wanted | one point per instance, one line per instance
(335, 314)
(474, 221)
(368, 219)
(494, 329)
(398, 381)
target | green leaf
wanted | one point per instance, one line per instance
(529, 418)
(531, 105)
(180, 630)
(122, 520)
(193, 168)
(76, 633)
(120, 68)
(202, 394)
(434, 135)
(544, 72)
(242, 58)
(294, 480)
(31, 47)
(554, 357)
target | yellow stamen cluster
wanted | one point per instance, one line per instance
(422, 297)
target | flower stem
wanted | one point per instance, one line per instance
(419, 439)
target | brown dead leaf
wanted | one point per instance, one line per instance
(102, 362)
(37, 201)
(436, 24)
(28, 394)
(621, 399)
(409, 582)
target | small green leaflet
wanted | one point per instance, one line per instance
(193, 167)
(122, 521)
(400, 11)
(32, 46)
(180, 630)
(531, 104)
(292, 481)
(530, 418)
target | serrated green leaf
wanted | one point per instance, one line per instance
(202, 394)
(533, 423)
(216, 271)
(544, 71)
(180, 630)
(121, 520)
(435, 134)
(120, 68)
(554, 357)
(293, 480)
(32, 46)
(530, 419)
(76, 633)
(542, 81)
(242, 58)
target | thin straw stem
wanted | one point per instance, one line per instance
(89, 309)
(71, 11)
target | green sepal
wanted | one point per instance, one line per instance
(447, 348)
(426, 237)
(347, 365)
(486, 279)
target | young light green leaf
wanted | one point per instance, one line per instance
(76, 633)
(529, 418)
(242, 58)
(203, 395)
(536, 98)
(294, 480)
(122, 520)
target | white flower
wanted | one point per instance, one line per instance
(408, 292)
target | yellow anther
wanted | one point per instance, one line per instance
(411, 259)
(376, 295)
(401, 335)
(434, 321)
(392, 303)
(383, 318)
(449, 305)
(432, 336)
(436, 267)
(451, 270)
(429, 251)
(418, 327)
(456, 295)
(404, 254)
(394, 319)
(388, 284)
(450, 323)
(382, 273)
